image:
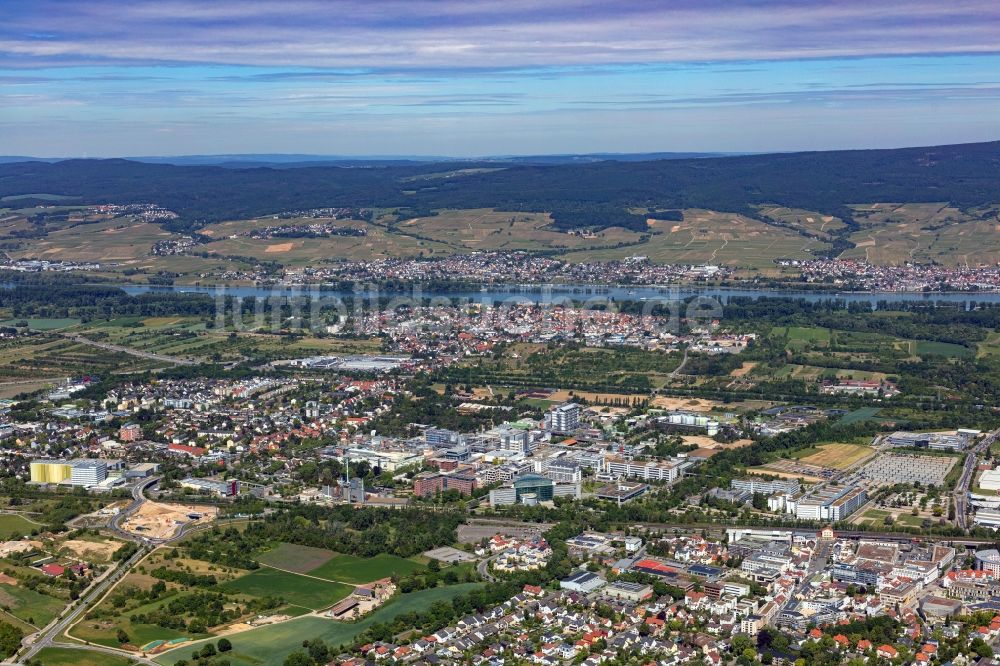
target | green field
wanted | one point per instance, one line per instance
(300, 559)
(13, 524)
(932, 348)
(270, 644)
(350, 569)
(51, 656)
(30, 606)
(858, 415)
(43, 324)
(311, 593)
(104, 631)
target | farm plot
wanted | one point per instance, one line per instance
(305, 591)
(292, 557)
(351, 569)
(837, 456)
(271, 644)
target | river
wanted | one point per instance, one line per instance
(594, 293)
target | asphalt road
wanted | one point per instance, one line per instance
(961, 493)
(47, 637)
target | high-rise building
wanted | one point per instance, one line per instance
(565, 418)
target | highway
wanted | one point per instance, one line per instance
(961, 493)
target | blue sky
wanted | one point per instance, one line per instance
(442, 77)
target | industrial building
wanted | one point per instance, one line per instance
(689, 421)
(935, 441)
(582, 581)
(626, 591)
(80, 472)
(229, 488)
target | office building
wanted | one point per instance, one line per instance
(790, 486)
(564, 418)
(427, 484)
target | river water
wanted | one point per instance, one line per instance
(593, 293)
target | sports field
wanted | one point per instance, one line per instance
(271, 644)
(292, 557)
(311, 593)
(351, 569)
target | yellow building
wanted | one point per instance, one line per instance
(50, 471)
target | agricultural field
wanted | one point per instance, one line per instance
(51, 656)
(308, 592)
(295, 558)
(188, 337)
(837, 456)
(49, 324)
(925, 233)
(29, 606)
(711, 237)
(601, 371)
(858, 415)
(270, 644)
(351, 569)
(809, 221)
(378, 243)
(490, 230)
(49, 356)
(120, 240)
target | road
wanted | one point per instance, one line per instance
(49, 636)
(56, 628)
(676, 371)
(961, 492)
(128, 350)
(484, 569)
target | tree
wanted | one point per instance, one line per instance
(224, 645)
(122, 637)
(298, 658)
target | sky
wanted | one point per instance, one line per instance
(106, 78)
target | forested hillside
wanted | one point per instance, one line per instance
(598, 194)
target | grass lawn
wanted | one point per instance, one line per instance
(300, 559)
(351, 569)
(270, 644)
(302, 591)
(16, 525)
(51, 656)
(32, 607)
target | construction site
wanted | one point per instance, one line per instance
(154, 520)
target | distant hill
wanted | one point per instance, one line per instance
(597, 193)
